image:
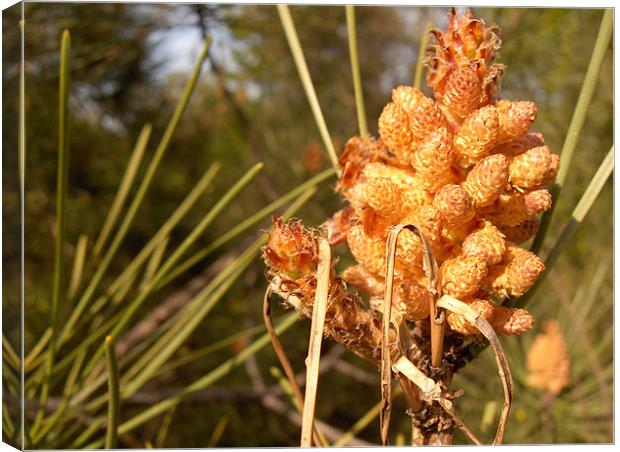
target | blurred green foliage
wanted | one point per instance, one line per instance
(249, 106)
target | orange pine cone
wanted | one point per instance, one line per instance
(505, 321)
(414, 194)
(455, 206)
(463, 92)
(424, 114)
(367, 251)
(465, 40)
(520, 145)
(487, 180)
(548, 360)
(515, 119)
(382, 195)
(477, 136)
(409, 254)
(515, 275)
(432, 160)
(514, 208)
(395, 130)
(508, 321)
(532, 168)
(360, 278)
(462, 276)
(487, 243)
(427, 219)
(521, 232)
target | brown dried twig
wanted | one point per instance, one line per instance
(316, 336)
(284, 361)
(458, 307)
(432, 391)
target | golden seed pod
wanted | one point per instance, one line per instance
(360, 278)
(508, 321)
(477, 136)
(463, 92)
(487, 243)
(515, 275)
(367, 251)
(521, 232)
(432, 160)
(515, 119)
(462, 276)
(455, 206)
(487, 180)
(548, 360)
(530, 169)
(382, 195)
(459, 324)
(520, 145)
(514, 208)
(395, 131)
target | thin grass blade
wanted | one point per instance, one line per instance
(306, 80)
(576, 124)
(355, 70)
(123, 189)
(111, 437)
(78, 266)
(137, 201)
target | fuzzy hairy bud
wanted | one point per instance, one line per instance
(432, 160)
(532, 168)
(514, 208)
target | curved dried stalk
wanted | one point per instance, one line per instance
(284, 361)
(437, 323)
(316, 337)
(458, 307)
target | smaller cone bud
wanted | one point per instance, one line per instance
(428, 220)
(423, 113)
(461, 325)
(487, 180)
(521, 232)
(455, 206)
(291, 249)
(382, 195)
(552, 173)
(464, 91)
(515, 119)
(532, 168)
(409, 253)
(362, 279)
(514, 208)
(368, 251)
(509, 321)
(477, 136)
(520, 145)
(515, 275)
(487, 243)
(395, 131)
(462, 276)
(433, 160)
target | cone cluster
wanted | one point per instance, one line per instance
(465, 169)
